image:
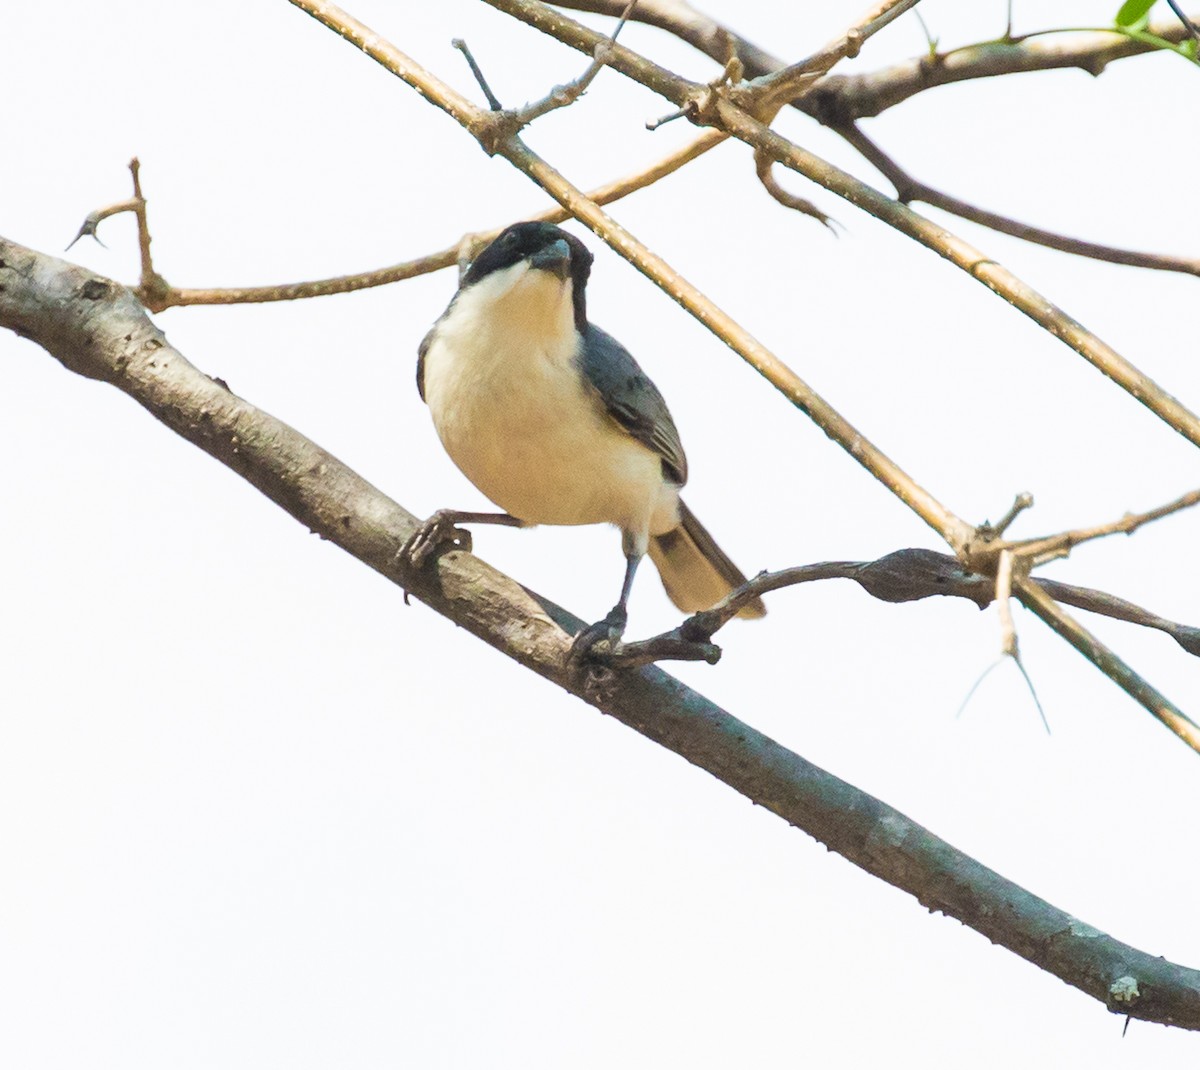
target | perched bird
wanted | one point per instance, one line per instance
(553, 420)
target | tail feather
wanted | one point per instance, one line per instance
(695, 571)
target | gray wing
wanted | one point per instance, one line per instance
(632, 399)
(422, 349)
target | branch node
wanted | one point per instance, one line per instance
(990, 532)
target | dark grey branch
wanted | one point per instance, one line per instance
(96, 327)
(915, 573)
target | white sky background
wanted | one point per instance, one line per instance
(255, 812)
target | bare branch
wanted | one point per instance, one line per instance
(1051, 547)
(163, 295)
(841, 99)
(98, 329)
(908, 189)
(762, 167)
(786, 84)
(1021, 502)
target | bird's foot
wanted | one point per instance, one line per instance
(437, 531)
(600, 639)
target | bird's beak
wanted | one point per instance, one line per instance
(554, 258)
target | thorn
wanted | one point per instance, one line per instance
(1036, 701)
(975, 686)
(88, 230)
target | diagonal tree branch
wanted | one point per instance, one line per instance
(97, 328)
(908, 189)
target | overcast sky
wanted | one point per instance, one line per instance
(256, 812)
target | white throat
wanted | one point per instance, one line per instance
(519, 313)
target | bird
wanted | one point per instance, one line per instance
(553, 420)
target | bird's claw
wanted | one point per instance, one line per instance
(435, 532)
(607, 632)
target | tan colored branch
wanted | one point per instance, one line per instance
(98, 329)
(1051, 547)
(841, 99)
(157, 294)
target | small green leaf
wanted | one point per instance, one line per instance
(1134, 14)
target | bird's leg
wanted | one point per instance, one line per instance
(443, 528)
(612, 627)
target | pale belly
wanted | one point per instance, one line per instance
(543, 449)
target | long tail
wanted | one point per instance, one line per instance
(695, 570)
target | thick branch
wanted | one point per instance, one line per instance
(97, 328)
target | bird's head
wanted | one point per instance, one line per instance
(538, 265)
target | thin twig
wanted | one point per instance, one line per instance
(492, 99)
(990, 531)
(172, 296)
(762, 167)
(1191, 26)
(1006, 568)
(1051, 547)
(781, 86)
(908, 189)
